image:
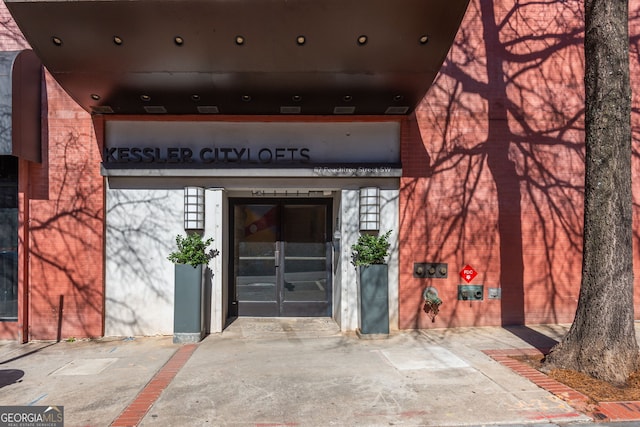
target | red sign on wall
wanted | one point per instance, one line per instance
(468, 273)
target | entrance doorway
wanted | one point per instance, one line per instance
(281, 264)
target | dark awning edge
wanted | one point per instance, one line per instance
(245, 57)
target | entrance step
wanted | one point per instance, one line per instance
(286, 327)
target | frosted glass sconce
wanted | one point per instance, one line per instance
(370, 209)
(193, 208)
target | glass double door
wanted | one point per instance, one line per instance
(281, 258)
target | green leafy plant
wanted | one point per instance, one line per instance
(370, 249)
(192, 250)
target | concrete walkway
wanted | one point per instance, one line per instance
(287, 372)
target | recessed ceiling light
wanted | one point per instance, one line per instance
(239, 40)
(155, 109)
(95, 97)
(56, 40)
(101, 109)
(424, 39)
(195, 97)
(179, 41)
(362, 40)
(347, 98)
(397, 109)
(398, 98)
(145, 98)
(301, 40)
(290, 109)
(117, 40)
(343, 110)
(208, 109)
(296, 98)
(246, 98)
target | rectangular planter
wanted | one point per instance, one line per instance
(188, 322)
(374, 301)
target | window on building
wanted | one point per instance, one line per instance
(8, 238)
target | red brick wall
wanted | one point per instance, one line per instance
(493, 171)
(64, 219)
(493, 168)
(66, 266)
(11, 39)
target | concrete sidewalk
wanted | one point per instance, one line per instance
(291, 372)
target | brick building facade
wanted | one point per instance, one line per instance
(491, 177)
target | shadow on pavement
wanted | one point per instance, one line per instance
(26, 354)
(10, 376)
(532, 337)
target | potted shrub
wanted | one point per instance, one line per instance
(369, 255)
(189, 259)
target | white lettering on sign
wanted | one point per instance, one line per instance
(352, 171)
(468, 273)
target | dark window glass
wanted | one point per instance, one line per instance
(8, 238)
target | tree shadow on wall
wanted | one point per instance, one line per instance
(502, 126)
(11, 34)
(137, 233)
(65, 244)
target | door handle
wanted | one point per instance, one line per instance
(276, 254)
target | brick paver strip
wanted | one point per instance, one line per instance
(135, 412)
(603, 411)
(619, 411)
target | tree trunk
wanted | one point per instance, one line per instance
(601, 341)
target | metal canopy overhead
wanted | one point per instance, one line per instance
(242, 56)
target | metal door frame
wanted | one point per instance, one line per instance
(280, 202)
